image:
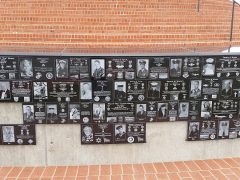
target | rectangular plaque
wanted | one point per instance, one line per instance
(9, 68)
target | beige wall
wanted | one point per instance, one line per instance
(60, 145)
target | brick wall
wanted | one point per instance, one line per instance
(116, 26)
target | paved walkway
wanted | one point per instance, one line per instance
(228, 168)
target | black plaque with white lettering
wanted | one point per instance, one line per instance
(136, 91)
(234, 128)
(22, 91)
(159, 68)
(43, 68)
(102, 91)
(208, 130)
(9, 68)
(228, 66)
(85, 112)
(87, 134)
(194, 110)
(103, 133)
(152, 111)
(191, 67)
(40, 113)
(74, 113)
(211, 88)
(136, 133)
(225, 109)
(193, 131)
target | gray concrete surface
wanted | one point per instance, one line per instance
(60, 145)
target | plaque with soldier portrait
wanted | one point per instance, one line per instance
(162, 113)
(194, 110)
(225, 109)
(40, 113)
(141, 112)
(159, 67)
(227, 88)
(175, 67)
(18, 135)
(174, 90)
(28, 113)
(9, 68)
(120, 68)
(40, 91)
(74, 113)
(152, 111)
(98, 68)
(102, 91)
(52, 113)
(43, 68)
(120, 112)
(26, 68)
(21, 91)
(234, 128)
(5, 91)
(120, 135)
(62, 69)
(228, 66)
(120, 91)
(211, 88)
(86, 91)
(103, 133)
(153, 91)
(193, 131)
(136, 132)
(64, 91)
(223, 129)
(208, 66)
(208, 130)
(183, 110)
(142, 68)
(195, 89)
(206, 109)
(191, 67)
(99, 112)
(79, 68)
(136, 91)
(87, 134)
(85, 112)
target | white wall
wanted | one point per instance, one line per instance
(60, 145)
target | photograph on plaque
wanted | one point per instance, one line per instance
(225, 109)
(141, 110)
(40, 113)
(211, 88)
(98, 68)
(227, 88)
(74, 112)
(26, 68)
(174, 90)
(103, 133)
(120, 133)
(102, 90)
(206, 109)
(9, 68)
(86, 91)
(153, 90)
(223, 129)
(8, 134)
(136, 132)
(74, 68)
(175, 67)
(120, 89)
(208, 130)
(208, 67)
(120, 68)
(85, 112)
(5, 91)
(234, 128)
(120, 112)
(195, 89)
(162, 114)
(159, 67)
(152, 111)
(87, 134)
(40, 91)
(194, 110)
(52, 113)
(228, 66)
(1, 141)
(173, 110)
(142, 68)
(193, 130)
(22, 91)
(99, 112)
(64, 91)
(191, 67)
(136, 91)
(183, 110)
(61, 68)
(28, 113)
(43, 68)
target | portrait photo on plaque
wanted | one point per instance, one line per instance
(52, 113)
(153, 91)
(141, 112)
(208, 67)
(86, 112)
(223, 129)
(136, 91)
(193, 130)
(99, 112)
(40, 112)
(5, 91)
(227, 88)
(194, 110)
(102, 90)
(26, 67)
(196, 89)
(8, 134)
(234, 128)
(103, 133)
(9, 68)
(162, 111)
(40, 90)
(120, 133)
(120, 89)
(208, 130)
(191, 67)
(21, 91)
(98, 68)
(74, 112)
(228, 66)
(87, 134)
(211, 88)
(183, 110)
(206, 109)
(175, 67)
(136, 133)
(28, 113)
(152, 111)
(86, 91)
(61, 65)
(159, 68)
(43, 68)
(142, 68)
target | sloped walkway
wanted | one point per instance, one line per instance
(222, 169)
